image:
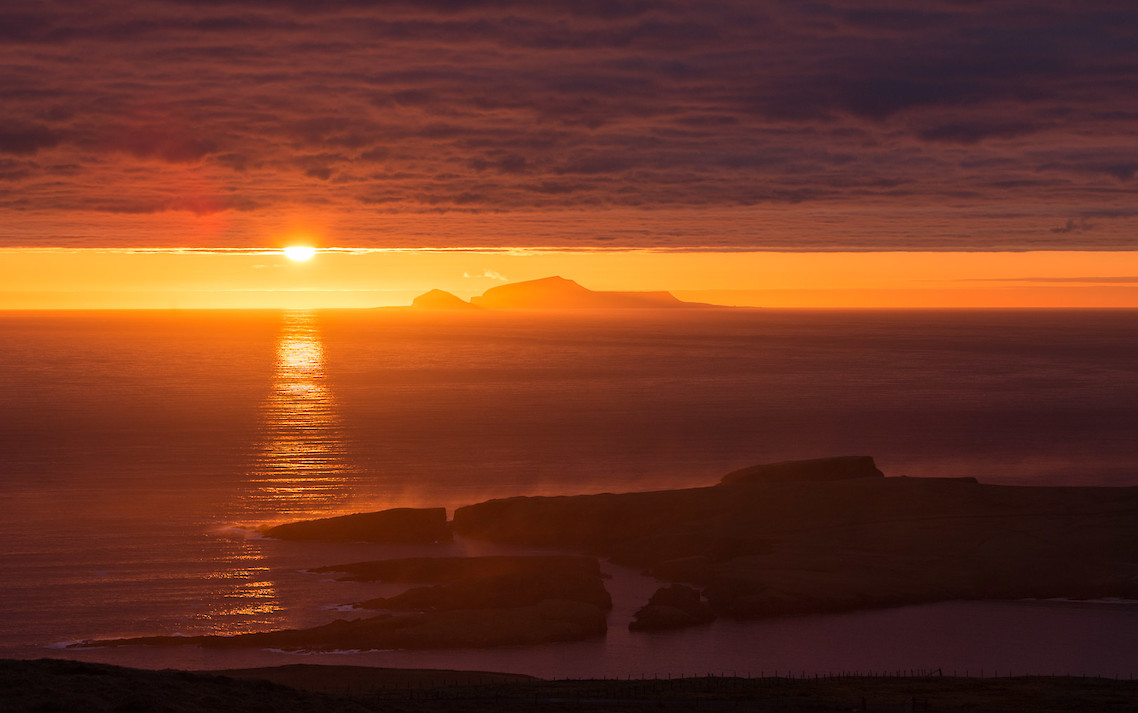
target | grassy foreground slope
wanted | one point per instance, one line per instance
(58, 685)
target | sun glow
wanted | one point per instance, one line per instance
(299, 253)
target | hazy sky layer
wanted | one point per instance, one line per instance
(831, 125)
(68, 278)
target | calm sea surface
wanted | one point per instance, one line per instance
(137, 451)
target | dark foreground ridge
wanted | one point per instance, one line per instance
(59, 685)
(802, 537)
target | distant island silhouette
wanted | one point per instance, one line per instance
(440, 299)
(552, 293)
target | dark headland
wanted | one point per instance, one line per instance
(763, 544)
(551, 293)
(462, 602)
(793, 538)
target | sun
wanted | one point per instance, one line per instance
(299, 253)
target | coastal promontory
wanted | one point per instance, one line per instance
(765, 544)
(397, 525)
(789, 538)
(466, 602)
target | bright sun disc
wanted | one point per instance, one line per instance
(300, 253)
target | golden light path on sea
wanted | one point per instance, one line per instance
(299, 470)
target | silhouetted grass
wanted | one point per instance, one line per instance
(58, 685)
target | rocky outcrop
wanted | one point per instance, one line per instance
(514, 589)
(546, 622)
(600, 523)
(481, 582)
(815, 470)
(673, 607)
(479, 601)
(398, 525)
(440, 299)
(450, 569)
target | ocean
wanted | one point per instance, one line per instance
(139, 452)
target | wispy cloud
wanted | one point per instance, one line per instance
(1073, 225)
(486, 274)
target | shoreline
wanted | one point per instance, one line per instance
(1036, 637)
(774, 543)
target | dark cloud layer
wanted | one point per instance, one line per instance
(822, 125)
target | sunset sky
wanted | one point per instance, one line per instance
(829, 153)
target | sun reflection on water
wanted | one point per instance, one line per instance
(243, 596)
(299, 470)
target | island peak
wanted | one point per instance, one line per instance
(440, 299)
(561, 293)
